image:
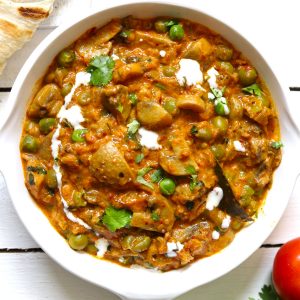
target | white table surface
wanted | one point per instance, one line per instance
(26, 273)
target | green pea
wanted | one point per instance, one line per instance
(169, 71)
(236, 224)
(222, 109)
(136, 243)
(66, 89)
(176, 32)
(226, 66)
(218, 151)
(46, 125)
(78, 135)
(247, 75)
(78, 200)
(29, 144)
(91, 249)
(78, 242)
(170, 106)
(220, 123)
(167, 186)
(265, 101)
(247, 191)
(204, 134)
(51, 180)
(160, 26)
(84, 98)
(65, 58)
(224, 53)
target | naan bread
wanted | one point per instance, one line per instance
(18, 22)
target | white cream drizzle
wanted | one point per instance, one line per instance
(189, 72)
(173, 248)
(162, 53)
(212, 80)
(214, 198)
(238, 146)
(226, 222)
(74, 116)
(149, 139)
(215, 235)
(102, 245)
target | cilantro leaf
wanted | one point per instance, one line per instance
(155, 216)
(157, 175)
(190, 169)
(39, 170)
(170, 23)
(133, 98)
(115, 218)
(133, 127)
(277, 145)
(267, 293)
(140, 177)
(217, 92)
(31, 179)
(139, 158)
(160, 86)
(194, 130)
(253, 89)
(142, 172)
(101, 69)
(143, 181)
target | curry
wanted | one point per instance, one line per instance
(150, 142)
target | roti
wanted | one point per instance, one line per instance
(18, 22)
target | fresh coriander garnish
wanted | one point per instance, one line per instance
(31, 179)
(39, 170)
(190, 169)
(133, 98)
(194, 130)
(155, 216)
(221, 106)
(170, 23)
(120, 107)
(157, 176)
(133, 127)
(101, 69)
(266, 293)
(139, 158)
(253, 89)
(194, 177)
(140, 177)
(115, 218)
(160, 86)
(277, 145)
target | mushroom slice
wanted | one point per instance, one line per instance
(195, 50)
(191, 102)
(173, 165)
(163, 207)
(47, 102)
(151, 114)
(109, 166)
(115, 99)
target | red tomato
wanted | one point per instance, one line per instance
(286, 271)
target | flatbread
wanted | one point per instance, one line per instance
(18, 22)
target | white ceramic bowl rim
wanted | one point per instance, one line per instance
(142, 284)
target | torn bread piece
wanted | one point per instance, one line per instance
(18, 22)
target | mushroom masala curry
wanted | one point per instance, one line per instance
(150, 142)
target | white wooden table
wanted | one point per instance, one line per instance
(27, 273)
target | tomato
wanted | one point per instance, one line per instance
(286, 271)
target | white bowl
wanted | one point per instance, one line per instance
(141, 283)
